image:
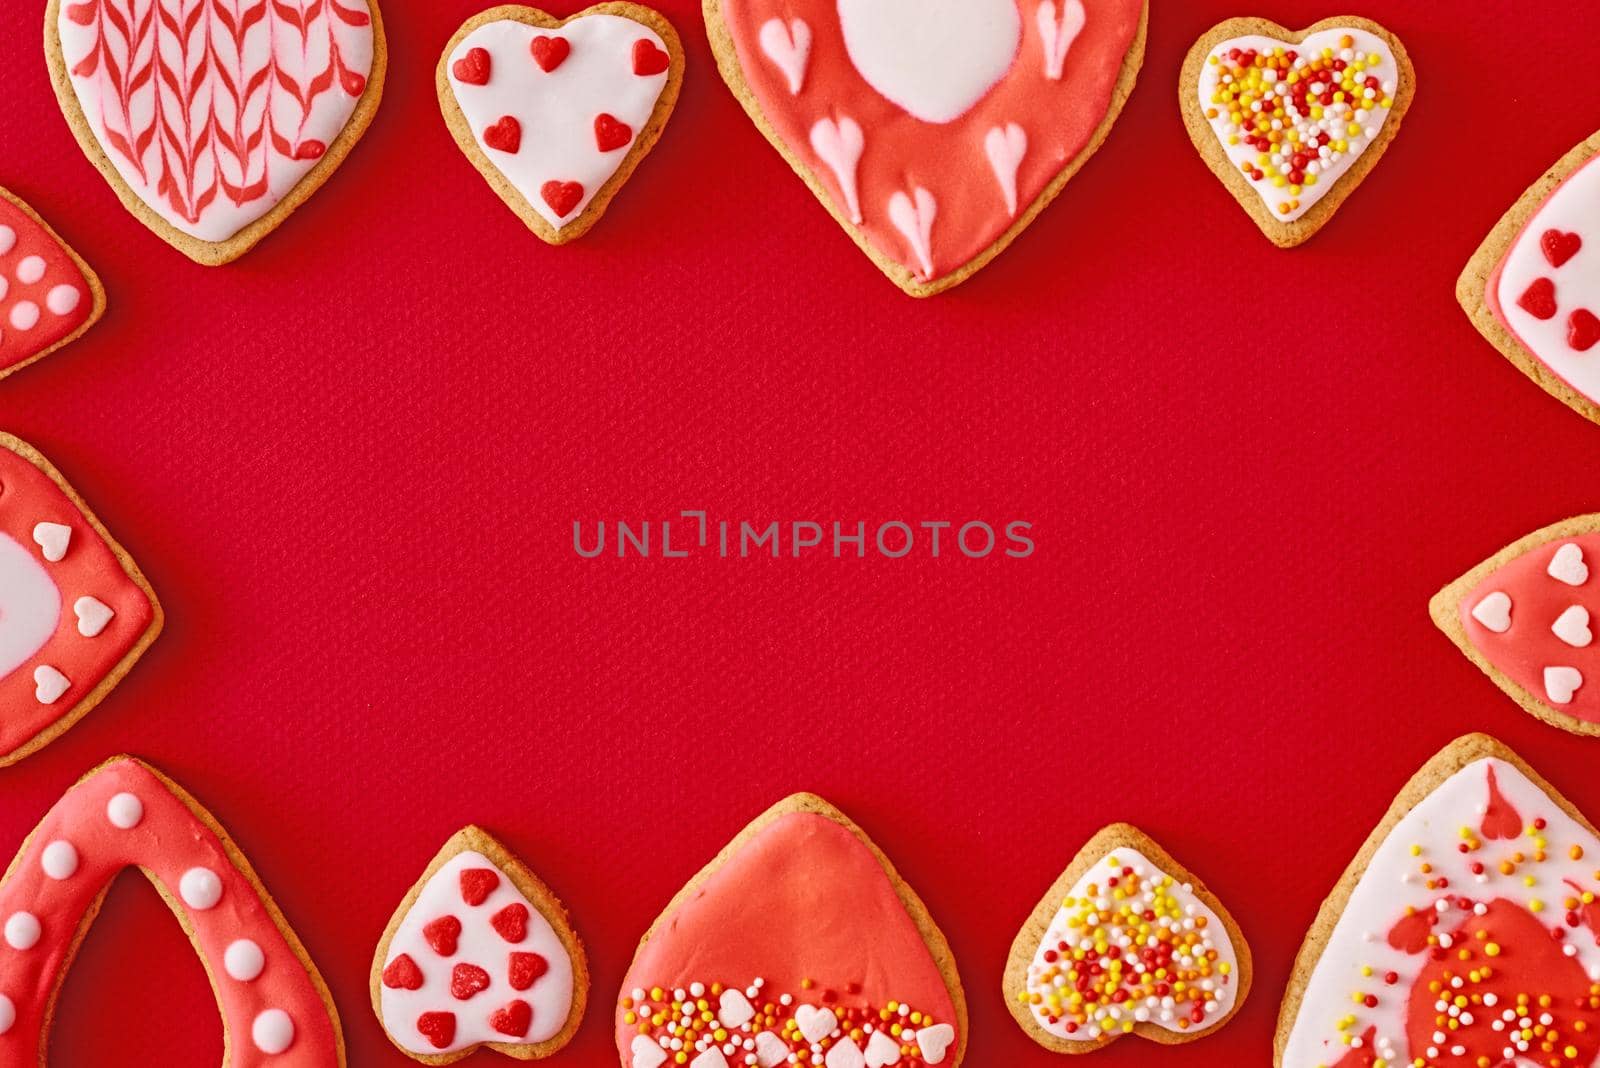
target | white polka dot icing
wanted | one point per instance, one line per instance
(24, 315)
(200, 888)
(60, 860)
(22, 930)
(8, 239)
(63, 299)
(30, 269)
(272, 1031)
(8, 1014)
(125, 810)
(244, 960)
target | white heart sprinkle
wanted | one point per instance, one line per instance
(1572, 627)
(735, 1010)
(770, 1050)
(935, 1041)
(882, 1050)
(815, 1024)
(845, 1054)
(1567, 565)
(711, 1058)
(1560, 683)
(1494, 611)
(646, 1054)
(52, 539)
(49, 684)
(93, 615)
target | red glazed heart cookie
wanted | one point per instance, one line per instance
(48, 296)
(1293, 122)
(1190, 974)
(1464, 932)
(276, 1011)
(758, 961)
(1533, 286)
(934, 131)
(557, 113)
(214, 121)
(75, 611)
(1523, 616)
(480, 953)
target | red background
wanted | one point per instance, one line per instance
(350, 464)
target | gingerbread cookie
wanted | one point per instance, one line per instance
(1523, 617)
(480, 953)
(1465, 932)
(1180, 970)
(213, 122)
(75, 612)
(276, 1010)
(1291, 122)
(933, 131)
(48, 296)
(759, 959)
(557, 113)
(1528, 287)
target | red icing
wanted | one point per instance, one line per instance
(1362, 1056)
(505, 135)
(513, 1020)
(32, 239)
(648, 59)
(1500, 820)
(29, 496)
(477, 884)
(902, 152)
(474, 68)
(550, 52)
(169, 840)
(803, 900)
(467, 980)
(438, 1028)
(511, 922)
(1559, 246)
(1410, 934)
(1539, 299)
(610, 134)
(561, 196)
(442, 935)
(1583, 330)
(403, 974)
(526, 968)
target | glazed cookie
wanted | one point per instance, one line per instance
(1342, 87)
(1463, 933)
(213, 122)
(1528, 288)
(75, 612)
(1523, 617)
(798, 941)
(480, 953)
(48, 296)
(276, 1010)
(933, 131)
(1181, 970)
(557, 113)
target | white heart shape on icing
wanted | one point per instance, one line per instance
(839, 145)
(914, 220)
(49, 684)
(52, 539)
(1572, 626)
(1059, 33)
(845, 1054)
(1567, 565)
(647, 1054)
(1005, 146)
(770, 1050)
(789, 48)
(1560, 683)
(934, 59)
(734, 1010)
(815, 1024)
(93, 615)
(882, 1050)
(935, 1041)
(1494, 611)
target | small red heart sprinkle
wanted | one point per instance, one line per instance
(312, 149)
(467, 980)
(610, 133)
(526, 968)
(403, 974)
(439, 1028)
(477, 884)
(513, 1020)
(1539, 300)
(442, 935)
(474, 67)
(505, 135)
(561, 196)
(1559, 247)
(1583, 330)
(550, 52)
(511, 922)
(648, 59)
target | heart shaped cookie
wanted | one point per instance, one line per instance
(1123, 889)
(557, 113)
(1533, 287)
(75, 611)
(480, 953)
(934, 131)
(1463, 933)
(1293, 122)
(213, 122)
(48, 296)
(781, 917)
(1523, 616)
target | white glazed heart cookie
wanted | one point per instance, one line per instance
(557, 113)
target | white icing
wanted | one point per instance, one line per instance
(734, 1010)
(481, 945)
(93, 615)
(557, 108)
(23, 930)
(882, 1050)
(1560, 683)
(8, 1014)
(914, 220)
(243, 960)
(711, 1058)
(1058, 32)
(30, 269)
(272, 1031)
(24, 315)
(8, 239)
(935, 59)
(845, 1054)
(1330, 169)
(62, 299)
(49, 684)
(53, 540)
(935, 1041)
(1567, 565)
(1005, 147)
(200, 888)
(125, 811)
(815, 1023)
(30, 606)
(1572, 626)
(59, 860)
(839, 145)
(647, 1054)
(1494, 611)
(789, 48)
(770, 1050)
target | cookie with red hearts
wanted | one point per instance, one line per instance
(758, 961)
(275, 1008)
(1181, 971)
(75, 611)
(1292, 122)
(213, 122)
(1533, 287)
(933, 131)
(1524, 617)
(557, 113)
(48, 296)
(479, 954)
(1464, 932)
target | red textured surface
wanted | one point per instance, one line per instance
(350, 463)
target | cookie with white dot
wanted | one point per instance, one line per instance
(49, 297)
